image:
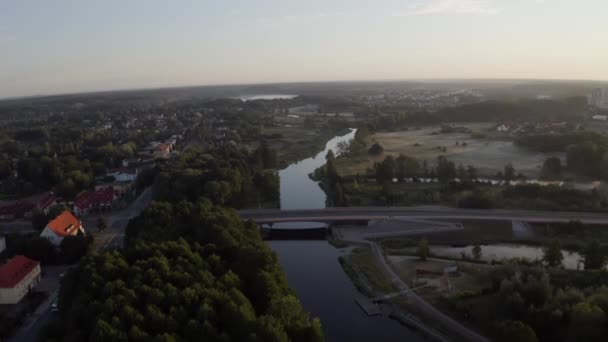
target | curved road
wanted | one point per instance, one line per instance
(376, 213)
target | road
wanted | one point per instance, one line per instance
(429, 310)
(378, 213)
(112, 237)
(422, 304)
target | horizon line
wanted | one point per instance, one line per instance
(422, 80)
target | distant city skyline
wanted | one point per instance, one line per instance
(68, 46)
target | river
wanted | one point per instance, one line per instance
(313, 269)
(298, 191)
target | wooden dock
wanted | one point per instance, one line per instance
(370, 308)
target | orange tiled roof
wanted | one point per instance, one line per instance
(65, 224)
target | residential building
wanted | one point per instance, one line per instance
(2, 244)
(120, 188)
(99, 199)
(61, 226)
(131, 162)
(15, 210)
(162, 150)
(17, 277)
(600, 117)
(123, 174)
(599, 98)
(46, 202)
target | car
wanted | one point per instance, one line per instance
(55, 306)
(61, 275)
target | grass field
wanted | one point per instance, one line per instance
(488, 155)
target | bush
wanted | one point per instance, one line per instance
(376, 149)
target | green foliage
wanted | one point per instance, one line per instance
(423, 249)
(223, 284)
(511, 331)
(553, 254)
(446, 170)
(594, 255)
(376, 149)
(588, 323)
(225, 176)
(478, 199)
(477, 252)
(552, 169)
(72, 248)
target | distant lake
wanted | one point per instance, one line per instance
(267, 97)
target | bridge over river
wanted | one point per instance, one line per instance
(350, 214)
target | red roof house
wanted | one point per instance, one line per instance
(61, 226)
(15, 210)
(19, 275)
(86, 201)
(46, 202)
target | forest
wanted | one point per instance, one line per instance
(191, 272)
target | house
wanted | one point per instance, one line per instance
(99, 199)
(123, 174)
(130, 162)
(61, 226)
(15, 210)
(17, 277)
(120, 188)
(47, 201)
(600, 117)
(502, 128)
(2, 244)
(162, 150)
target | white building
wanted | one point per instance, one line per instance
(123, 174)
(502, 128)
(600, 117)
(599, 98)
(63, 225)
(17, 277)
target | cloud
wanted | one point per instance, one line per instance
(475, 7)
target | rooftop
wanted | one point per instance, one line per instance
(15, 270)
(65, 224)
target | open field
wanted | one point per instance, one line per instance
(488, 155)
(294, 143)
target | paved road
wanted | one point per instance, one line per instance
(112, 237)
(376, 213)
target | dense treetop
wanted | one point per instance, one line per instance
(191, 272)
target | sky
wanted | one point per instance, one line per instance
(61, 46)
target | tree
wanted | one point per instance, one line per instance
(423, 249)
(39, 219)
(587, 323)
(594, 255)
(511, 331)
(102, 224)
(552, 169)
(477, 251)
(72, 248)
(509, 172)
(376, 149)
(406, 167)
(553, 254)
(471, 173)
(446, 170)
(385, 170)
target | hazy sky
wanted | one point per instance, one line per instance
(56, 46)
